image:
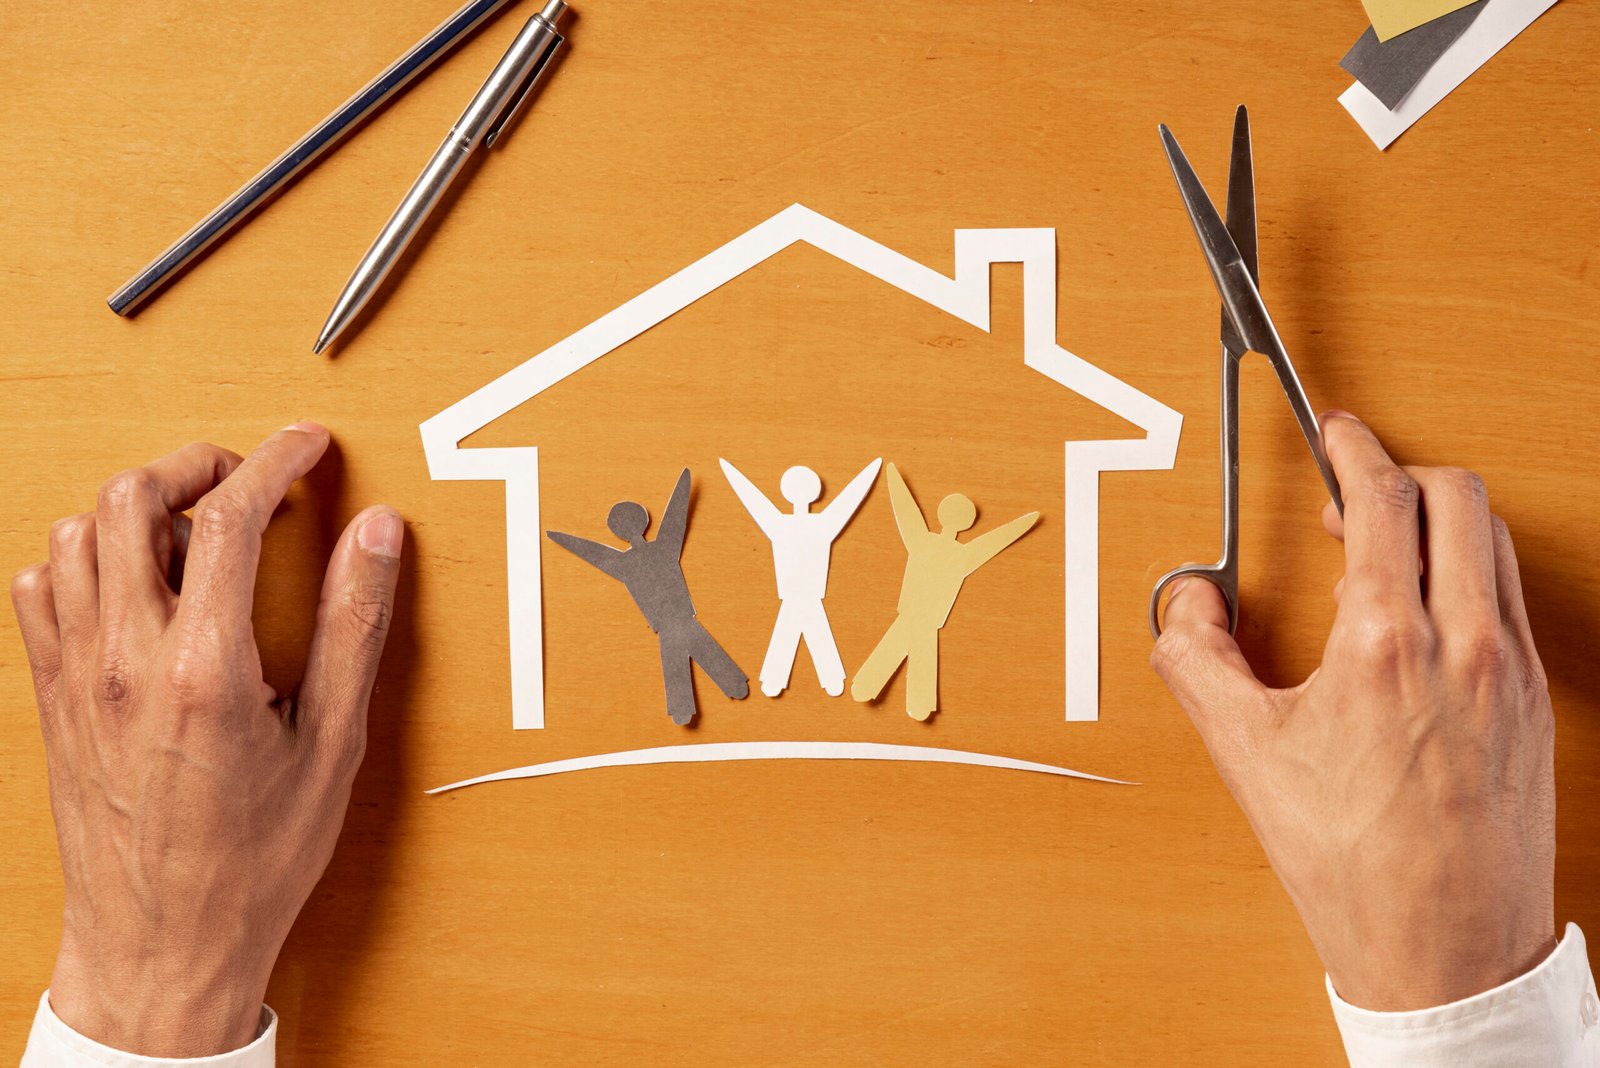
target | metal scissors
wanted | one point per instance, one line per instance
(1231, 253)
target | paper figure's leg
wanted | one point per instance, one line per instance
(881, 663)
(779, 662)
(922, 674)
(715, 661)
(677, 675)
(824, 652)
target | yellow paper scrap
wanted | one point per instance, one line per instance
(1391, 18)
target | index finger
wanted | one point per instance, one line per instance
(1381, 517)
(135, 527)
(225, 544)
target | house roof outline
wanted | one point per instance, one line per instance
(965, 295)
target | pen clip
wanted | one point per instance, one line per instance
(518, 98)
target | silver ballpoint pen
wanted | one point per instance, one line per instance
(484, 120)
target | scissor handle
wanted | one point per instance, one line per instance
(1223, 577)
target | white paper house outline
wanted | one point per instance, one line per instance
(966, 296)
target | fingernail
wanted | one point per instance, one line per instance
(1338, 413)
(382, 535)
(1178, 585)
(305, 426)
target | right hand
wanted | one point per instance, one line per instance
(1405, 792)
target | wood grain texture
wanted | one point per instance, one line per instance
(794, 914)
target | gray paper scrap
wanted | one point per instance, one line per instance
(1392, 68)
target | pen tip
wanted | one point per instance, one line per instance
(322, 343)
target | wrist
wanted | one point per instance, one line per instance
(1438, 972)
(156, 1007)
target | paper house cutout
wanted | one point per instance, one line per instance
(966, 296)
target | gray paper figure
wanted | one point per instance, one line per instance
(651, 571)
(802, 544)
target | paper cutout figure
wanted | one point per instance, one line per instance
(653, 574)
(936, 566)
(802, 545)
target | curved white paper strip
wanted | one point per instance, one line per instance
(715, 751)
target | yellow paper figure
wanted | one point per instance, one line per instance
(936, 566)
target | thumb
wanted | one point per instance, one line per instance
(352, 624)
(1202, 665)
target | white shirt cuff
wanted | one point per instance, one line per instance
(52, 1044)
(1548, 1018)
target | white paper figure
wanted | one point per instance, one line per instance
(802, 545)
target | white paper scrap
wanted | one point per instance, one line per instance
(719, 751)
(1500, 22)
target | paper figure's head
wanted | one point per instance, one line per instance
(956, 513)
(627, 520)
(800, 486)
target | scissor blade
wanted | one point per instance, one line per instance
(1242, 195)
(1241, 218)
(1240, 298)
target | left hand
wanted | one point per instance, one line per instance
(195, 808)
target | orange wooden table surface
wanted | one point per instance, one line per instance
(795, 913)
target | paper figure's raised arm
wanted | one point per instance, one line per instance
(675, 519)
(842, 507)
(760, 507)
(603, 557)
(982, 549)
(907, 514)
